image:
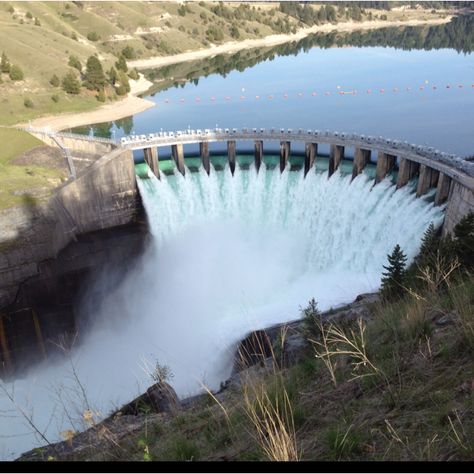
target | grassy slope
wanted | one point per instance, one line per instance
(417, 403)
(43, 50)
(16, 178)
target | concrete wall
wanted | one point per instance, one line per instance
(460, 203)
(104, 196)
(79, 144)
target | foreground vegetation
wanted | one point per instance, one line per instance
(34, 84)
(396, 382)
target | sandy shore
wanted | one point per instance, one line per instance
(273, 40)
(133, 105)
(130, 105)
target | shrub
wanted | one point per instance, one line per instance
(16, 74)
(93, 36)
(74, 36)
(5, 64)
(29, 15)
(55, 98)
(234, 32)
(28, 103)
(75, 63)
(101, 96)
(133, 74)
(129, 53)
(37, 22)
(54, 81)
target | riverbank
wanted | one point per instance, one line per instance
(274, 40)
(133, 104)
(130, 105)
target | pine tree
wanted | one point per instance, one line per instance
(113, 76)
(121, 64)
(429, 248)
(124, 84)
(464, 241)
(94, 76)
(394, 278)
(71, 84)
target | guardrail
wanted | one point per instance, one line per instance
(421, 154)
(76, 136)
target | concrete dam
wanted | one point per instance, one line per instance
(157, 265)
(105, 196)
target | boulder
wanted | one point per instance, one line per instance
(159, 398)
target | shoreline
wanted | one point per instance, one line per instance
(274, 40)
(132, 104)
(125, 107)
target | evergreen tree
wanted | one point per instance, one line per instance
(71, 84)
(394, 278)
(464, 241)
(113, 76)
(121, 64)
(429, 248)
(124, 84)
(94, 76)
(311, 319)
(5, 63)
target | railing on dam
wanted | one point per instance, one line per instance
(420, 154)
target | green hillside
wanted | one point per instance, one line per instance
(39, 37)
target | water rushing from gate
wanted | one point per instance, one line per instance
(230, 254)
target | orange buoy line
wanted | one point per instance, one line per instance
(340, 92)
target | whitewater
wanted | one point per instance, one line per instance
(229, 254)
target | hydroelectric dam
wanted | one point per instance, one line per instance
(92, 219)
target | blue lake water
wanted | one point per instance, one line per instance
(407, 95)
